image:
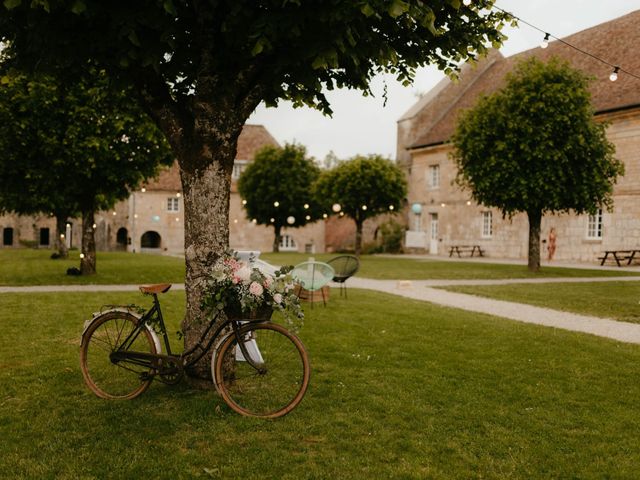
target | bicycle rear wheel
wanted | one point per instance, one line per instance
(122, 379)
(280, 380)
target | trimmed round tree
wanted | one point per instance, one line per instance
(277, 189)
(364, 187)
(73, 146)
(535, 147)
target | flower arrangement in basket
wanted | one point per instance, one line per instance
(243, 291)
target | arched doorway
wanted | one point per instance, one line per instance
(150, 241)
(7, 237)
(121, 238)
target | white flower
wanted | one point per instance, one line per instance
(256, 289)
(277, 298)
(243, 273)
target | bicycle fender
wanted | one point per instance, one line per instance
(96, 315)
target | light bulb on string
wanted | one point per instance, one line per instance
(545, 41)
(614, 75)
(466, 2)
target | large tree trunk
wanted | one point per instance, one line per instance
(203, 134)
(88, 255)
(61, 239)
(358, 237)
(206, 181)
(535, 218)
(276, 238)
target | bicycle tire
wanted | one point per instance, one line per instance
(270, 393)
(110, 380)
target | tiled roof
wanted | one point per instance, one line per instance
(616, 40)
(252, 139)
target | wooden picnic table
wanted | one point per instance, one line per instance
(620, 256)
(471, 249)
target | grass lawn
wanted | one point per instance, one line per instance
(389, 268)
(617, 300)
(399, 389)
(34, 267)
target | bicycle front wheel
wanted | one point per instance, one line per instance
(275, 379)
(106, 377)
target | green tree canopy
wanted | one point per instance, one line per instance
(277, 189)
(364, 187)
(201, 68)
(535, 147)
(72, 147)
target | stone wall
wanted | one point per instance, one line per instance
(460, 220)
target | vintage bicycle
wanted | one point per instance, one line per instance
(259, 367)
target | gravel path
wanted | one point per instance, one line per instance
(422, 290)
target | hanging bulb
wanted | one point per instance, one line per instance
(545, 41)
(466, 2)
(614, 75)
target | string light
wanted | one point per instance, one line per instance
(291, 220)
(336, 207)
(391, 207)
(276, 203)
(364, 207)
(308, 217)
(616, 68)
(466, 2)
(324, 215)
(143, 189)
(306, 206)
(545, 41)
(614, 75)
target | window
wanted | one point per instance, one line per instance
(594, 226)
(287, 244)
(433, 176)
(173, 204)
(487, 224)
(238, 168)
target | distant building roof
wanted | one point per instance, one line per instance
(252, 138)
(616, 40)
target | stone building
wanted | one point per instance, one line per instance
(152, 218)
(441, 215)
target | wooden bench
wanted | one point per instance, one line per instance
(621, 257)
(464, 249)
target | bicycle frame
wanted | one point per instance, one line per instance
(150, 360)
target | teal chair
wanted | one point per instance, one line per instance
(312, 276)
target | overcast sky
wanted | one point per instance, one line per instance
(363, 125)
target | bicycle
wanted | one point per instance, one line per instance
(259, 368)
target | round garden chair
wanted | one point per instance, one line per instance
(313, 276)
(345, 266)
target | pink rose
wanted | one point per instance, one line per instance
(256, 289)
(277, 298)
